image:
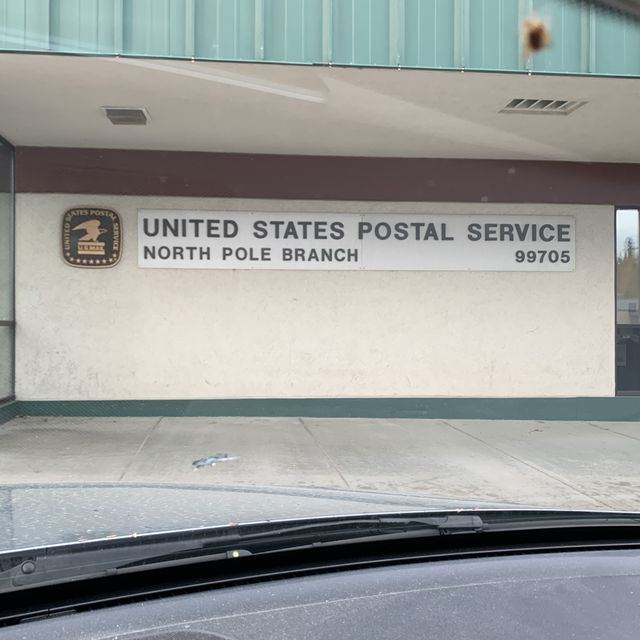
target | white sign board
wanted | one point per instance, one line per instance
(343, 241)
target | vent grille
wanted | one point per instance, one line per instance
(541, 106)
(126, 115)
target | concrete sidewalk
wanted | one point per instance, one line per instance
(563, 464)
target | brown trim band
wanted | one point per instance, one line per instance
(231, 175)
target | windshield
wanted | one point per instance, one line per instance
(278, 260)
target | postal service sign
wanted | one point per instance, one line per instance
(91, 238)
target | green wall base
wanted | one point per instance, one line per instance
(8, 411)
(602, 409)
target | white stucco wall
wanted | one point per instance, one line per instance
(131, 333)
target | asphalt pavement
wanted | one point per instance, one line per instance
(560, 464)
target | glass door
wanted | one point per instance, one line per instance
(627, 301)
(7, 325)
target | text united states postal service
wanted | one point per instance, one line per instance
(344, 241)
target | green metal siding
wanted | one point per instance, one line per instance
(618, 45)
(429, 25)
(361, 32)
(566, 52)
(485, 47)
(292, 30)
(474, 34)
(91, 29)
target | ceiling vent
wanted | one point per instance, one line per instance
(539, 106)
(126, 115)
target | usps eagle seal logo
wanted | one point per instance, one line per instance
(91, 238)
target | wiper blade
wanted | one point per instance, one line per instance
(384, 524)
(110, 557)
(296, 537)
(79, 561)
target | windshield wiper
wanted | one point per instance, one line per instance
(340, 532)
(110, 557)
(103, 558)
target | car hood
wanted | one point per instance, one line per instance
(43, 515)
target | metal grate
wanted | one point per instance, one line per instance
(542, 106)
(126, 115)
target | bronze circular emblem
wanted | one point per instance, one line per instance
(91, 238)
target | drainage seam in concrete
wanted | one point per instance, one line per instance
(322, 450)
(550, 475)
(135, 455)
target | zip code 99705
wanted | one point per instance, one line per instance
(540, 255)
